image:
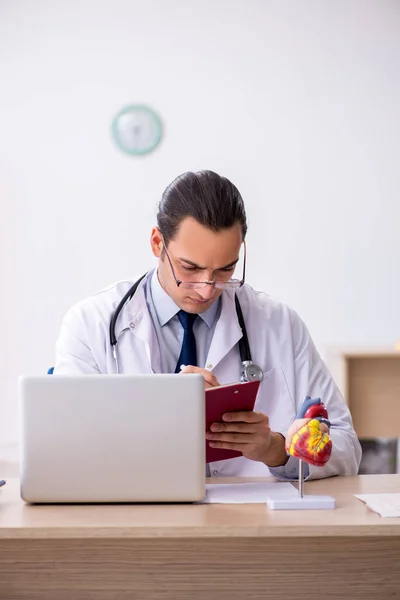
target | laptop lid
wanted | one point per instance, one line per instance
(112, 438)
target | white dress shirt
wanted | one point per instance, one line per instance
(169, 331)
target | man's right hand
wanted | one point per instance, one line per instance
(209, 378)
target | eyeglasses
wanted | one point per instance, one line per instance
(221, 285)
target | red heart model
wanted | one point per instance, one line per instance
(316, 410)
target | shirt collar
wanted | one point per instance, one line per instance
(166, 308)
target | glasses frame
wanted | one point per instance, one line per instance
(232, 283)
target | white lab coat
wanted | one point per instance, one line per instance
(280, 344)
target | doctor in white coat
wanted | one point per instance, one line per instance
(199, 237)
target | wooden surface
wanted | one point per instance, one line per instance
(185, 552)
(22, 521)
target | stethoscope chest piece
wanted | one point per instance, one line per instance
(251, 372)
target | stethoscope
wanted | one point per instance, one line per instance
(250, 371)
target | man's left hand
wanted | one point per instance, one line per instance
(249, 433)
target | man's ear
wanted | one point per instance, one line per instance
(156, 242)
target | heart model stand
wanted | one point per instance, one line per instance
(312, 445)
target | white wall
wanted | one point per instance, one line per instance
(296, 102)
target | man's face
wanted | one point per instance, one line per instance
(197, 254)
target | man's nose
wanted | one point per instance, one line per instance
(206, 292)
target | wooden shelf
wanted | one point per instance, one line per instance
(369, 380)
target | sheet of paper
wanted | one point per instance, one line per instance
(387, 505)
(247, 493)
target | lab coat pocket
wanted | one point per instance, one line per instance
(275, 401)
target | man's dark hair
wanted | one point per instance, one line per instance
(212, 200)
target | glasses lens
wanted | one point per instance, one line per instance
(221, 285)
(232, 283)
(192, 285)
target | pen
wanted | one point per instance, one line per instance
(2, 482)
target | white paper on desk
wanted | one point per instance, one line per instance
(387, 505)
(247, 493)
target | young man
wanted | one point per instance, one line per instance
(184, 313)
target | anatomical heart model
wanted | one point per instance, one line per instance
(310, 441)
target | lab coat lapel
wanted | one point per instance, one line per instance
(143, 329)
(138, 319)
(227, 331)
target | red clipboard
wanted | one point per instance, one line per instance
(227, 398)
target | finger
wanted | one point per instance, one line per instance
(245, 416)
(235, 427)
(230, 446)
(208, 386)
(294, 428)
(324, 427)
(235, 438)
(209, 377)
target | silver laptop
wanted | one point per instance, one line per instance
(112, 438)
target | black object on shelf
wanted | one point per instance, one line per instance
(379, 456)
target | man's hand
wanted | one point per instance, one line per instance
(209, 378)
(249, 433)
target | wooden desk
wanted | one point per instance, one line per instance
(195, 552)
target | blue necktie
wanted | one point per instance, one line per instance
(188, 355)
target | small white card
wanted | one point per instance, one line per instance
(386, 505)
